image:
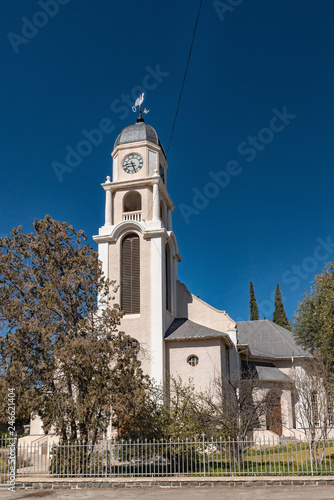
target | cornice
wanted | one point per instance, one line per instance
(224, 337)
(134, 145)
(121, 227)
(145, 181)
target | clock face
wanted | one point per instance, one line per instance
(132, 163)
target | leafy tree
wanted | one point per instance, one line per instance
(314, 318)
(230, 407)
(279, 315)
(131, 397)
(63, 355)
(183, 416)
(170, 412)
(254, 312)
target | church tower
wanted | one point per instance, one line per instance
(137, 246)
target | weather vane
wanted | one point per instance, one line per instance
(138, 104)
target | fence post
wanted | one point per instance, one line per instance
(15, 443)
(311, 456)
(16, 450)
(203, 435)
(106, 462)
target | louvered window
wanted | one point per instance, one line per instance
(130, 283)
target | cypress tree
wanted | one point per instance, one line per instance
(279, 316)
(254, 312)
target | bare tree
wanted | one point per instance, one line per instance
(236, 406)
(314, 404)
(313, 399)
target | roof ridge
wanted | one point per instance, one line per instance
(251, 320)
(293, 344)
(191, 326)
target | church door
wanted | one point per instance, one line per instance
(274, 414)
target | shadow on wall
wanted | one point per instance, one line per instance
(184, 298)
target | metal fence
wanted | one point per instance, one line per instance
(202, 457)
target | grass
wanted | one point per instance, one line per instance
(289, 458)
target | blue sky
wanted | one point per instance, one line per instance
(271, 217)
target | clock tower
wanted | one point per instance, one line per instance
(137, 246)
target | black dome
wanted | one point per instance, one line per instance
(139, 131)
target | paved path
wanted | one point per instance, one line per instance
(218, 493)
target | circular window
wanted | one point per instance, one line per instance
(193, 360)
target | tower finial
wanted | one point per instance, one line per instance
(140, 119)
(138, 102)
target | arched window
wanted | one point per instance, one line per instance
(130, 279)
(132, 202)
(168, 279)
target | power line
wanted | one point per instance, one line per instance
(185, 74)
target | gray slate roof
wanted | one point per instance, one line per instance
(136, 132)
(271, 374)
(184, 329)
(266, 372)
(268, 340)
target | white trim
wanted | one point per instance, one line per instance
(104, 258)
(157, 310)
(115, 169)
(173, 246)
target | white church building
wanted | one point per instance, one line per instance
(183, 335)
